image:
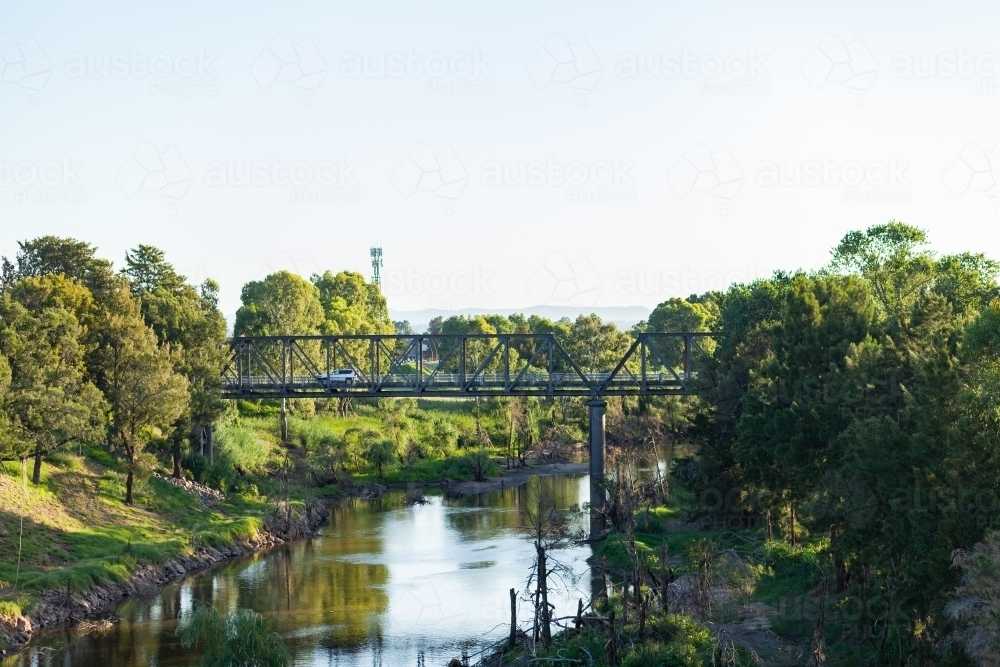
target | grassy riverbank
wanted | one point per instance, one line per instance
(74, 530)
(390, 441)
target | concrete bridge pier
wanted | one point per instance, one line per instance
(597, 442)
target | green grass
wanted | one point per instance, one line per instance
(16, 606)
(670, 640)
(78, 531)
(788, 571)
(424, 470)
(650, 535)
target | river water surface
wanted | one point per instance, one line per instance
(382, 584)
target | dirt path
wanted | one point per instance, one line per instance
(512, 478)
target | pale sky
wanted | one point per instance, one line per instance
(503, 154)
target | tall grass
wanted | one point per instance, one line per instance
(242, 447)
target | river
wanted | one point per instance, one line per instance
(382, 584)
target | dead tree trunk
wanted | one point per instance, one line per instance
(613, 641)
(544, 595)
(513, 621)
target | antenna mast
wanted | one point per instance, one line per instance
(377, 265)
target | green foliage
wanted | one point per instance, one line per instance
(241, 638)
(11, 608)
(480, 465)
(45, 399)
(245, 450)
(379, 454)
(282, 303)
(670, 641)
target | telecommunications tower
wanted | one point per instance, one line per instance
(377, 265)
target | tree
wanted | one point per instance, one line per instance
(968, 281)
(241, 638)
(351, 305)
(679, 316)
(147, 270)
(892, 258)
(281, 304)
(74, 259)
(379, 453)
(976, 603)
(594, 345)
(144, 393)
(789, 430)
(480, 464)
(47, 400)
(187, 322)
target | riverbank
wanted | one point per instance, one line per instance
(73, 549)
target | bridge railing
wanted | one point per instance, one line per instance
(454, 365)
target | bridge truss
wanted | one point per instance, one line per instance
(456, 366)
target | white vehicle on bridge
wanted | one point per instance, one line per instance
(342, 376)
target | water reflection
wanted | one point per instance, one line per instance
(382, 584)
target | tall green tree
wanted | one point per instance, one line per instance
(48, 401)
(283, 303)
(352, 305)
(188, 322)
(74, 259)
(596, 345)
(893, 258)
(145, 394)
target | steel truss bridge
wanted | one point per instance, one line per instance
(464, 366)
(454, 366)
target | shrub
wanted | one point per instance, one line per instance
(241, 446)
(480, 464)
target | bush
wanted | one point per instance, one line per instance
(310, 433)
(241, 446)
(480, 465)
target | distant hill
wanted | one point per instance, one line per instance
(623, 316)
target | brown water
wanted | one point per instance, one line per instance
(382, 584)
